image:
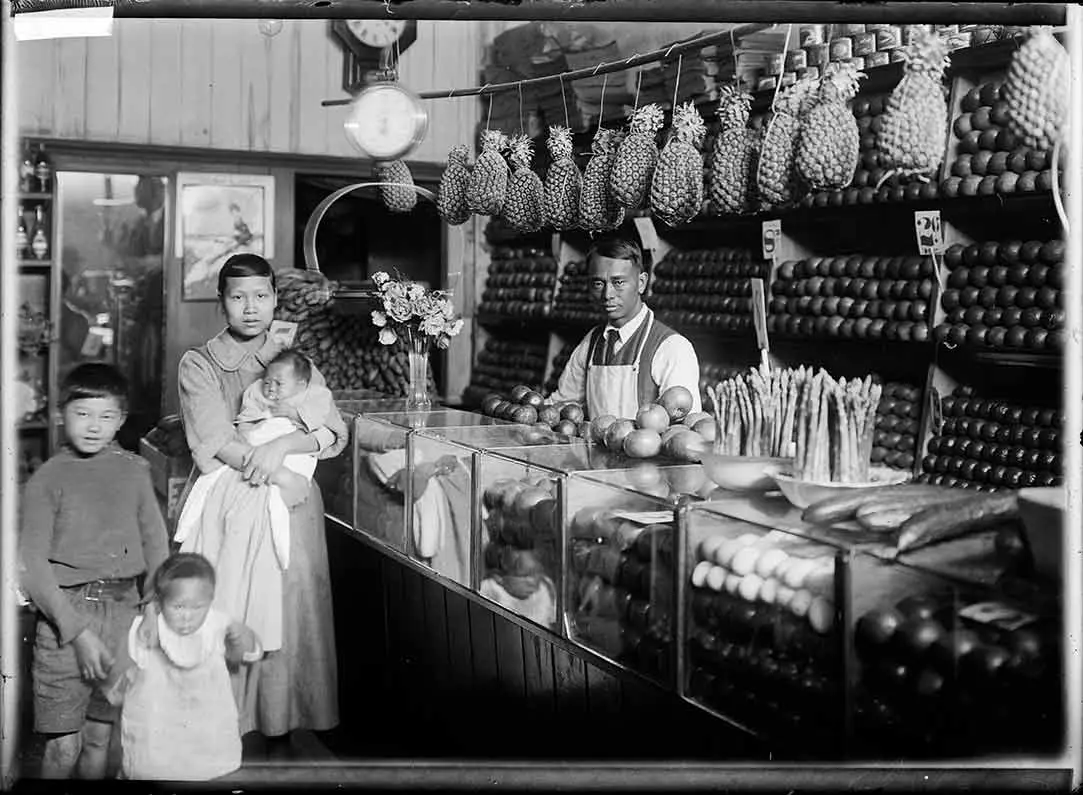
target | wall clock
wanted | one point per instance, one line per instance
(386, 121)
(365, 41)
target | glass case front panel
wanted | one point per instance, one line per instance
(619, 596)
(519, 555)
(670, 482)
(438, 527)
(496, 437)
(948, 669)
(763, 634)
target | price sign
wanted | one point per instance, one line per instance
(648, 235)
(771, 232)
(998, 615)
(929, 232)
(283, 332)
(554, 244)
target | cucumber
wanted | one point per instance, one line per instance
(844, 506)
(952, 520)
(884, 521)
(912, 504)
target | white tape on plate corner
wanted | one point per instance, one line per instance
(71, 23)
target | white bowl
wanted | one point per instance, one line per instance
(1042, 511)
(803, 493)
(743, 473)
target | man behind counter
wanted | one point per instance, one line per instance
(604, 369)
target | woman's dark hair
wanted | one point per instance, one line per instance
(94, 380)
(182, 566)
(241, 266)
(302, 367)
(617, 247)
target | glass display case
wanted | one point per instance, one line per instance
(763, 644)
(789, 626)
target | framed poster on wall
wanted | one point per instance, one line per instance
(219, 215)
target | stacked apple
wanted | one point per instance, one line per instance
(622, 589)
(559, 361)
(503, 363)
(931, 678)
(897, 426)
(1004, 295)
(662, 428)
(872, 167)
(761, 631)
(521, 521)
(990, 160)
(520, 283)
(987, 444)
(526, 406)
(857, 296)
(573, 302)
(710, 287)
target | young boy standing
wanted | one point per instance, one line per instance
(91, 527)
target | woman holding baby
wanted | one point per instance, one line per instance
(294, 686)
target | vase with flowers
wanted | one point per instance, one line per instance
(420, 317)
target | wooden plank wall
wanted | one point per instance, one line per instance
(221, 84)
(426, 672)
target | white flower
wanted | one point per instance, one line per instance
(447, 309)
(379, 278)
(398, 308)
(415, 291)
(387, 336)
(432, 325)
(379, 318)
(455, 327)
(394, 290)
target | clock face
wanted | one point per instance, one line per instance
(377, 33)
(386, 121)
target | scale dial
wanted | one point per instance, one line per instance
(376, 33)
(386, 121)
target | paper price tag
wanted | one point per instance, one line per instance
(929, 232)
(771, 231)
(997, 615)
(648, 235)
(283, 332)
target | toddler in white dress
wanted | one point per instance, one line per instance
(179, 719)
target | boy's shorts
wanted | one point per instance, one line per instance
(63, 700)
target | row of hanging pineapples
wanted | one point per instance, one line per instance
(625, 171)
(812, 143)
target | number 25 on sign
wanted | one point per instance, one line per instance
(929, 231)
(771, 232)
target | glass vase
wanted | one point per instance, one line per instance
(417, 389)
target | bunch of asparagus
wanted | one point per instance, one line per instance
(756, 412)
(836, 421)
(825, 425)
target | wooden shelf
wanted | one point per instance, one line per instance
(35, 263)
(34, 196)
(34, 426)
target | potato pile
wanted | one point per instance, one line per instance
(343, 347)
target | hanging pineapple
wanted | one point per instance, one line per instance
(523, 204)
(677, 184)
(777, 180)
(630, 178)
(915, 120)
(1036, 90)
(829, 147)
(451, 199)
(562, 182)
(732, 180)
(597, 209)
(399, 196)
(489, 180)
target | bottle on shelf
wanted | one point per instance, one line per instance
(43, 170)
(26, 172)
(39, 240)
(22, 236)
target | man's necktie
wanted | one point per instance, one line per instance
(610, 345)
